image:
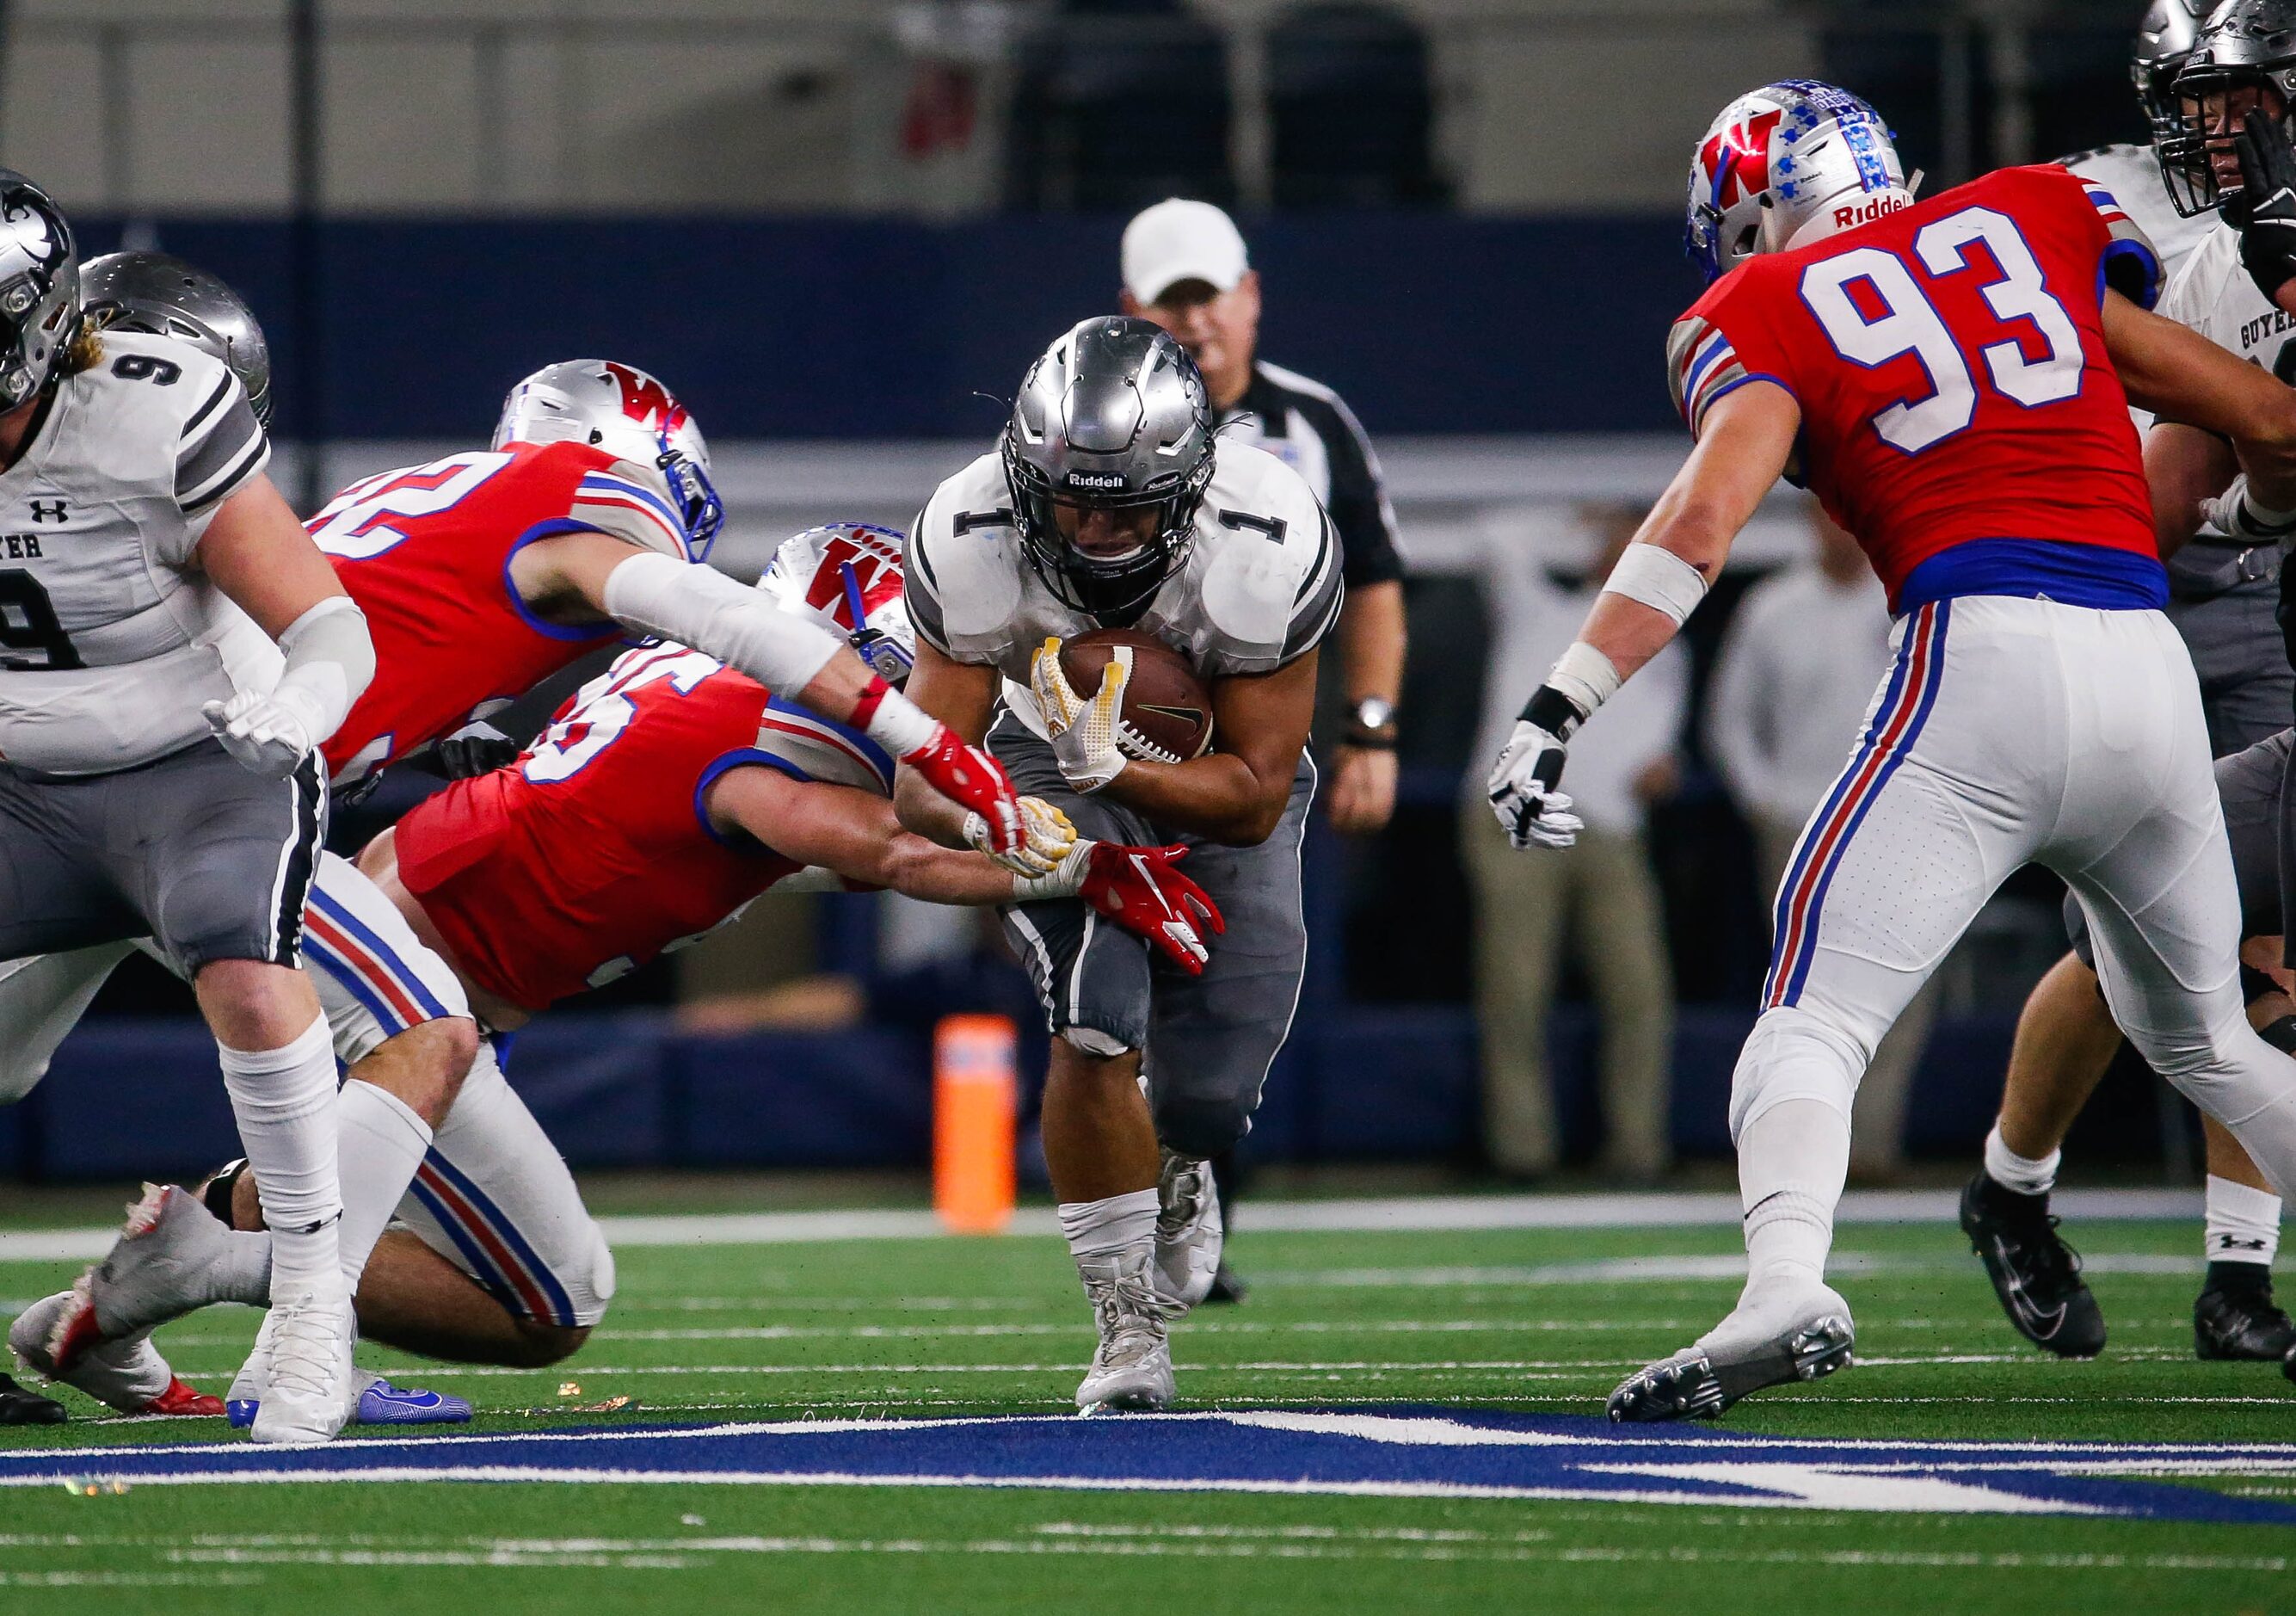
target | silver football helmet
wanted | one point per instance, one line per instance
(166, 296)
(847, 577)
(1113, 416)
(627, 412)
(1786, 165)
(2244, 45)
(2163, 40)
(39, 288)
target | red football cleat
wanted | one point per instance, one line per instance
(181, 1399)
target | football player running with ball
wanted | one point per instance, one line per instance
(1106, 506)
(146, 791)
(1943, 376)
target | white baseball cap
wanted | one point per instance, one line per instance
(1177, 241)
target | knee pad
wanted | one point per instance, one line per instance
(1794, 1054)
(1200, 1128)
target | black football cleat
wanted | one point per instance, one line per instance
(1227, 1286)
(18, 1406)
(2036, 1274)
(2234, 1317)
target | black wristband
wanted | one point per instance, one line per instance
(1380, 740)
(1553, 711)
(2280, 1034)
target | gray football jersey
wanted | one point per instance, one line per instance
(1261, 586)
(111, 637)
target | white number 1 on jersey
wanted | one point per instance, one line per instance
(1911, 325)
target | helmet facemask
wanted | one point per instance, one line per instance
(2245, 60)
(39, 289)
(1112, 588)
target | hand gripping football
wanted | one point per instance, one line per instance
(1167, 716)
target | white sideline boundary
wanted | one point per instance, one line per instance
(1399, 1215)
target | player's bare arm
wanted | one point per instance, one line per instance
(858, 836)
(259, 556)
(962, 695)
(1745, 442)
(2186, 468)
(1237, 794)
(606, 578)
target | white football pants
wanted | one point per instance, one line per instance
(2010, 731)
(493, 1195)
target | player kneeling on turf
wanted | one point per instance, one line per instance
(1105, 507)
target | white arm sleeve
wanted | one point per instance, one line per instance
(711, 613)
(330, 661)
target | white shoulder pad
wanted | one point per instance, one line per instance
(1270, 579)
(810, 747)
(965, 571)
(631, 502)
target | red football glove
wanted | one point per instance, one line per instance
(1143, 890)
(972, 779)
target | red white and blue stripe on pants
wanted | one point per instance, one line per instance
(1896, 725)
(370, 971)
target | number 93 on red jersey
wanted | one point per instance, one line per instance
(1960, 414)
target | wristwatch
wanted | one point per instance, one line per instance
(1371, 725)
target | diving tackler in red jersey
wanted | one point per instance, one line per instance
(479, 574)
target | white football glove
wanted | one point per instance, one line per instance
(1048, 839)
(1522, 789)
(267, 734)
(1084, 732)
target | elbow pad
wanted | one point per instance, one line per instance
(708, 612)
(330, 662)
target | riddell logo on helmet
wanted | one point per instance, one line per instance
(1866, 213)
(1094, 480)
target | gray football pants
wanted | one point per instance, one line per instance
(1208, 1040)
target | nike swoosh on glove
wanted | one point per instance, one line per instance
(1084, 732)
(1522, 791)
(267, 734)
(1141, 889)
(2267, 178)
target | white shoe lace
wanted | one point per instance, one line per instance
(306, 1348)
(1130, 1317)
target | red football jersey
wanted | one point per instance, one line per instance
(1950, 364)
(426, 553)
(592, 853)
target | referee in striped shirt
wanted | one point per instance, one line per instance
(1186, 269)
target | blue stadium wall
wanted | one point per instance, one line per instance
(849, 328)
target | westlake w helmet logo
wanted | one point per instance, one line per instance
(646, 401)
(1736, 160)
(1402, 1452)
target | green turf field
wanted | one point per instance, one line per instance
(1540, 1320)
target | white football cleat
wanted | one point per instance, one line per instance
(1188, 1233)
(155, 1272)
(1132, 1366)
(128, 1375)
(310, 1389)
(1778, 1335)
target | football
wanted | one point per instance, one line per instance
(1167, 712)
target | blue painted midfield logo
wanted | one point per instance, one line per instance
(1396, 1453)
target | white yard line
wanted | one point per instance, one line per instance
(1402, 1215)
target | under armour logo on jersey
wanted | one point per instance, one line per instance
(50, 510)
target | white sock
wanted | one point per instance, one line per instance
(284, 1101)
(2026, 1174)
(1101, 1228)
(1792, 1161)
(2243, 1223)
(381, 1143)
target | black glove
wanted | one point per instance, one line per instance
(478, 748)
(2267, 178)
